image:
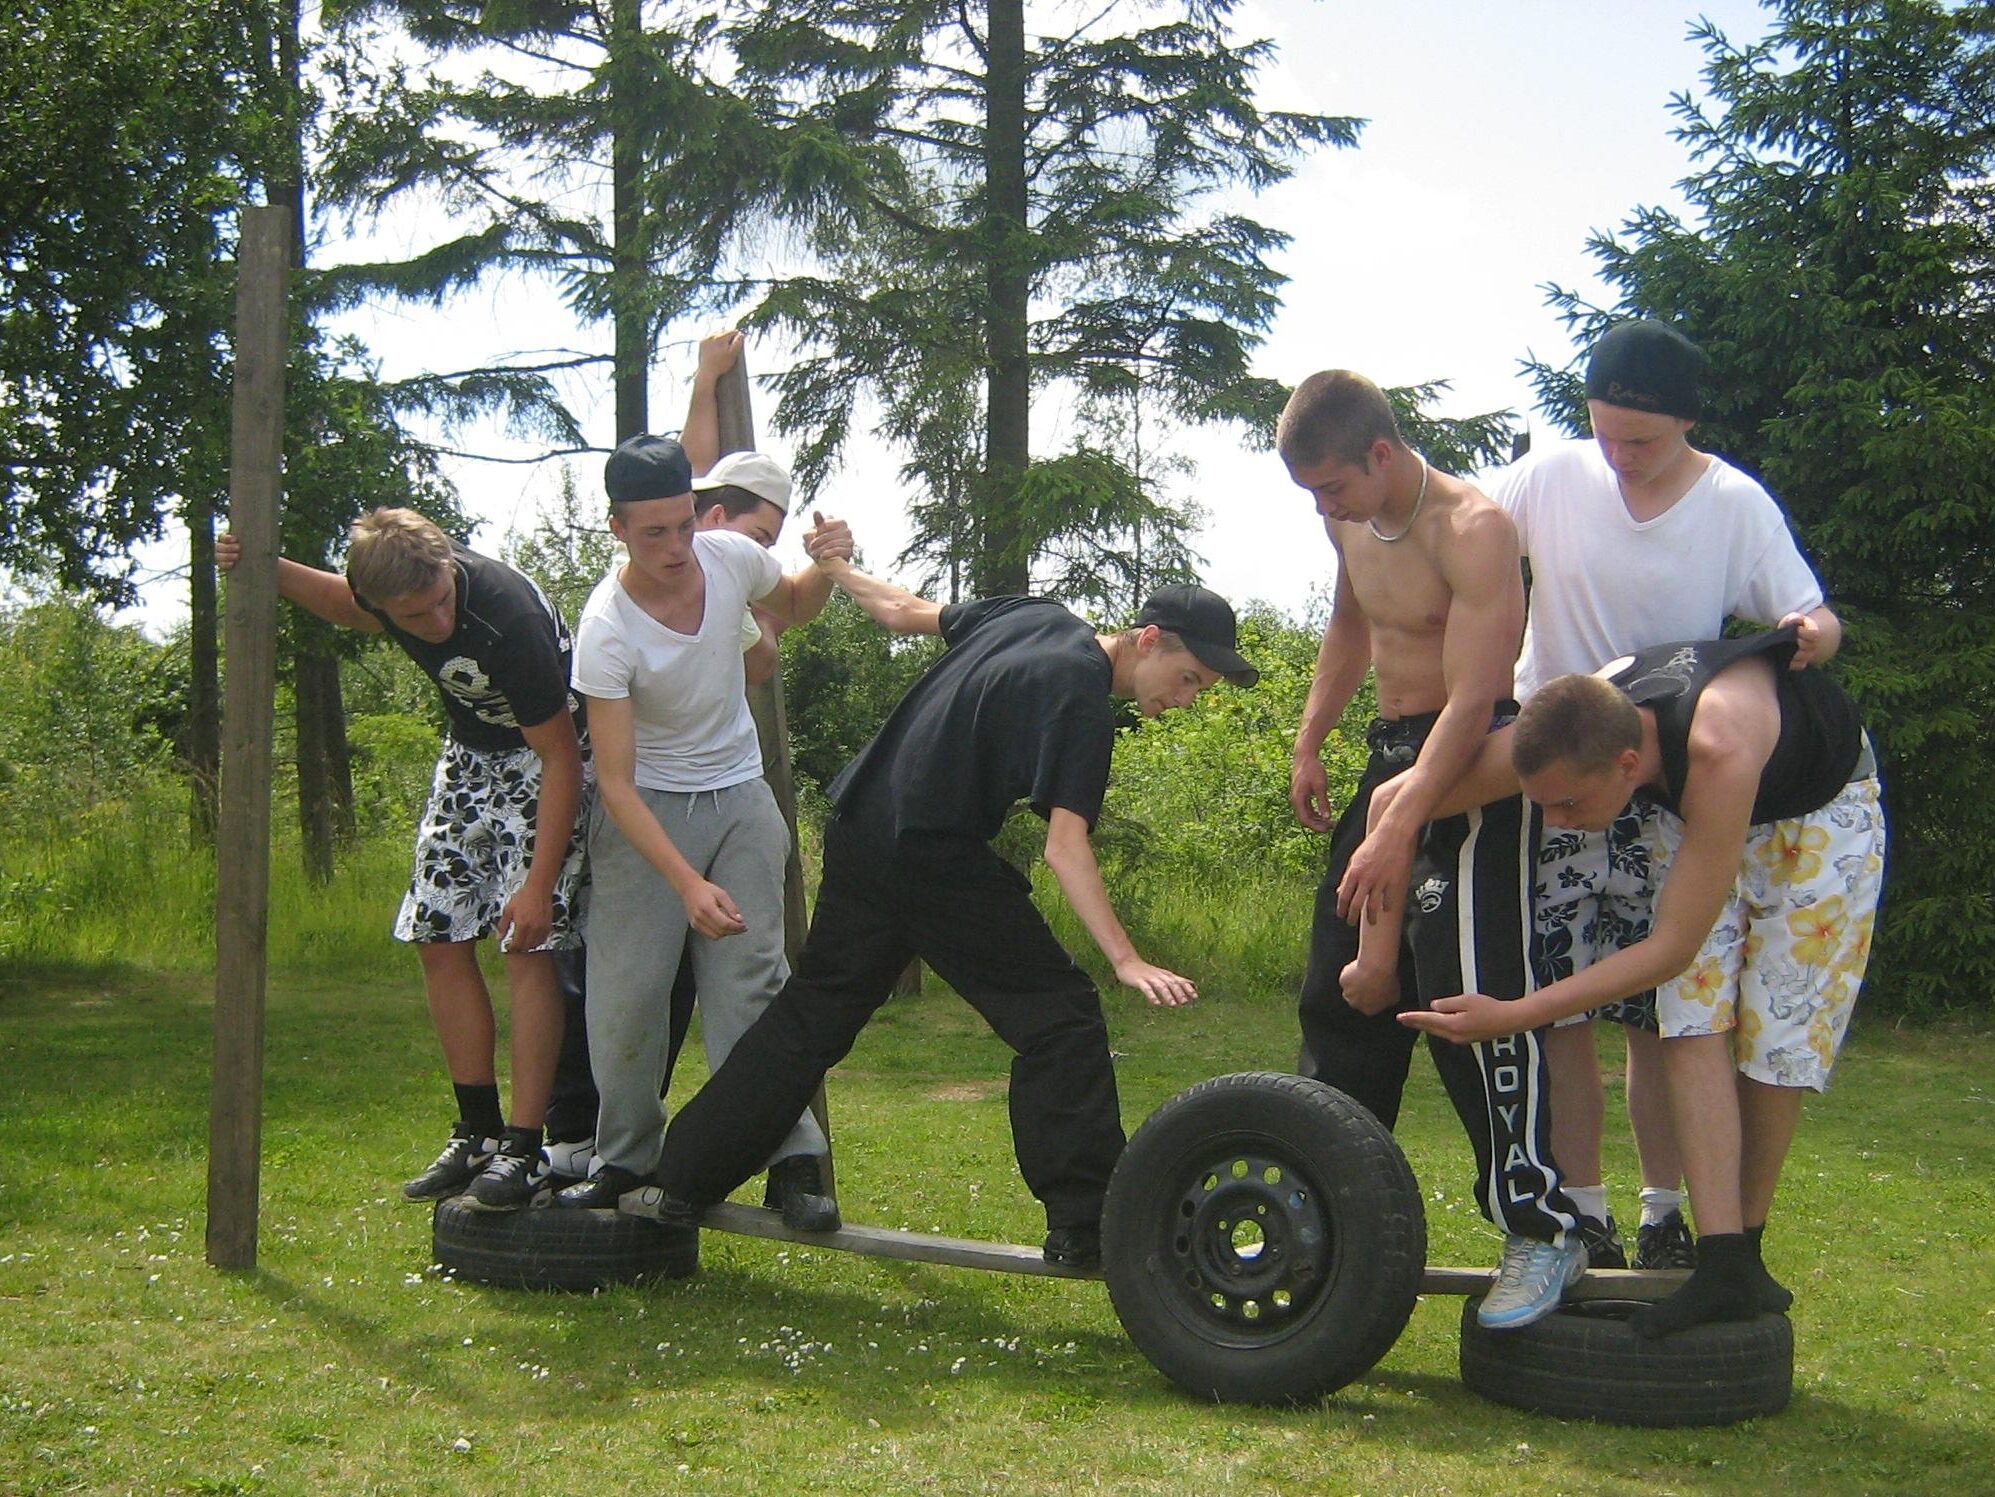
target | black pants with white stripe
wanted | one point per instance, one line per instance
(1468, 930)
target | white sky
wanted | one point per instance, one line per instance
(1500, 134)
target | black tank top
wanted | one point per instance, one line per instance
(1821, 733)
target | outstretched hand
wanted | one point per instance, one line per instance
(1467, 1018)
(1159, 985)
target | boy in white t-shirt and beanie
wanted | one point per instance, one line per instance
(1634, 538)
(686, 841)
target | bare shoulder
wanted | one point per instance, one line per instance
(1474, 531)
(1737, 722)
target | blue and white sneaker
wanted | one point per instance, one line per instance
(1531, 1279)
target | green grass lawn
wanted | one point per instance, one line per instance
(342, 1364)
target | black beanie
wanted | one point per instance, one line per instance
(1647, 366)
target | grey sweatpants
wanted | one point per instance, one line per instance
(637, 931)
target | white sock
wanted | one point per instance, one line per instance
(1591, 1200)
(1657, 1203)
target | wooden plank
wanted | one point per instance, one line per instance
(884, 1242)
(242, 841)
(1011, 1257)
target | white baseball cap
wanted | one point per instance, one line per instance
(761, 475)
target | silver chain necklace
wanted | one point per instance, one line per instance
(1380, 535)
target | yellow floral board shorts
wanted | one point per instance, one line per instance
(1781, 968)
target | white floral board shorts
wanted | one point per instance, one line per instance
(1781, 968)
(472, 846)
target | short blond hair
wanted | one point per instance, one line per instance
(1334, 414)
(392, 553)
(1581, 721)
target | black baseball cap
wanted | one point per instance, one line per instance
(1204, 621)
(647, 467)
(1647, 366)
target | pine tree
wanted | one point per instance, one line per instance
(1037, 212)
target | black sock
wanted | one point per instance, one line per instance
(1721, 1287)
(1773, 1296)
(478, 1108)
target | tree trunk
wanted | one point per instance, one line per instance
(204, 678)
(631, 353)
(1003, 564)
(325, 764)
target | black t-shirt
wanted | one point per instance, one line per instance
(1821, 732)
(506, 664)
(1017, 709)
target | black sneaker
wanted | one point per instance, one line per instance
(518, 1172)
(601, 1191)
(1666, 1244)
(456, 1167)
(796, 1188)
(1074, 1247)
(1603, 1243)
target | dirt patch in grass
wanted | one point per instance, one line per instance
(967, 1091)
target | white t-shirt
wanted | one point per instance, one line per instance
(693, 728)
(1604, 583)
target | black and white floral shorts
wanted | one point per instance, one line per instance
(472, 847)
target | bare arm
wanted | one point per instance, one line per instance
(323, 593)
(1717, 810)
(528, 917)
(1341, 663)
(892, 607)
(1478, 652)
(700, 436)
(800, 597)
(613, 739)
(1490, 777)
(1071, 857)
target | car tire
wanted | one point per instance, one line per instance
(1584, 1361)
(1263, 1239)
(557, 1248)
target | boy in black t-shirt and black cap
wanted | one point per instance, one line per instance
(496, 851)
(1018, 708)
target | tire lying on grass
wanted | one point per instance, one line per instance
(1585, 1362)
(1263, 1239)
(552, 1248)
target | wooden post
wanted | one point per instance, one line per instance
(735, 423)
(242, 843)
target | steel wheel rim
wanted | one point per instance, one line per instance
(1248, 1249)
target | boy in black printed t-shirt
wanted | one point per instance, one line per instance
(496, 853)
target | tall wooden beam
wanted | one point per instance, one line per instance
(242, 843)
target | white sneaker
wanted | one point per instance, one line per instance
(1530, 1281)
(570, 1161)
